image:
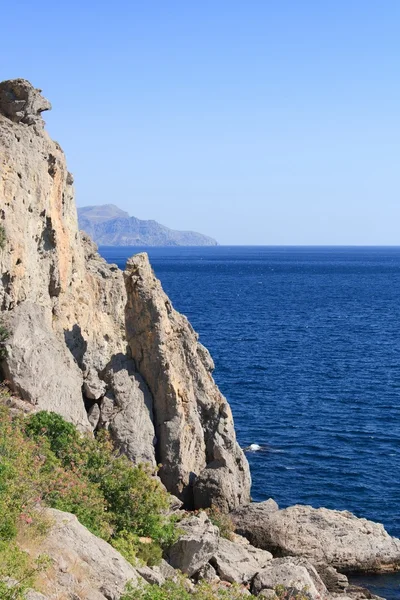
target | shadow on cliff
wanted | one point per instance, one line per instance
(76, 343)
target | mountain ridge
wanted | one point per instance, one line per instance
(108, 225)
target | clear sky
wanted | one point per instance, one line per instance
(256, 122)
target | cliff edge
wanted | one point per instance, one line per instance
(104, 349)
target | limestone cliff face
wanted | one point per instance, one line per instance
(102, 349)
(193, 421)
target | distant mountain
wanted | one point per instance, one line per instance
(108, 225)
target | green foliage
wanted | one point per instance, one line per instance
(135, 548)
(45, 461)
(292, 593)
(20, 484)
(4, 335)
(20, 568)
(178, 590)
(112, 498)
(60, 435)
(3, 237)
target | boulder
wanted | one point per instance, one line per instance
(324, 536)
(93, 387)
(40, 368)
(193, 421)
(291, 572)
(83, 565)
(157, 574)
(207, 573)
(248, 520)
(195, 547)
(237, 562)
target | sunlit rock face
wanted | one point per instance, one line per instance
(103, 349)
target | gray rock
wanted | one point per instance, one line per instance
(239, 563)
(334, 581)
(207, 573)
(332, 537)
(165, 569)
(22, 103)
(269, 594)
(39, 366)
(175, 503)
(93, 387)
(248, 519)
(291, 572)
(33, 595)
(131, 420)
(195, 547)
(193, 421)
(82, 564)
(107, 405)
(151, 575)
(94, 416)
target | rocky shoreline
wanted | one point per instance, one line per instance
(106, 350)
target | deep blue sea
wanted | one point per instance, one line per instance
(306, 343)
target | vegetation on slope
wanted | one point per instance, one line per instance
(45, 461)
(179, 590)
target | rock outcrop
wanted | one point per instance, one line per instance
(193, 421)
(100, 349)
(21, 103)
(34, 348)
(82, 565)
(323, 536)
(197, 544)
(296, 573)
(238, 561)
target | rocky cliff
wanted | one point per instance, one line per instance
(110, 226)
(101, 347)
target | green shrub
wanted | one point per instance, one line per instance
(169, 591)
(45, 461)
(20, 478)
(114, 499)
(60, 435)
(20, 488)
(177, 590)
(20, 568)
(137, 549)
(3, 237)
(4, 335)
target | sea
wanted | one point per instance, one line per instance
(306, 344)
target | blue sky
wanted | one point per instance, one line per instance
(259, 122)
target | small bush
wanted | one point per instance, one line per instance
(114, 499)
(20, 487)
(138, 549)
(20, 568)
(3, 237)
(178, 590)
(61, 436)
(4, 335)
